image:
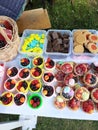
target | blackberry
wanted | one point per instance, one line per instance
(93, 79)
(40, 60)
(25, 74)
(66, 95)
(36, 99)
(27, 61)
(51, 78)
(51, 63)
(2, 43)
(4, 99)
(38, 69)
(33, 87)
(12, 86)
(24, 83)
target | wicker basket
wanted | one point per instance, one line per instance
(9, 51)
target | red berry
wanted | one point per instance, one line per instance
(36, 73)
(48, 59)
(95, 95)
(88, 76)
(34, 104)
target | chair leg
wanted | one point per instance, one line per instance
(43, 4)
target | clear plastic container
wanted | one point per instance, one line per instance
(31, 52)
(58, 55)
(84, 55)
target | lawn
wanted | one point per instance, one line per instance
(64, 15)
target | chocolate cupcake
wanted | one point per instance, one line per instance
(90, 79)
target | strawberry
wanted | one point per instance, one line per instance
(36, 73)
(88, 76)
(34, 104)
(95, 94)
(35, 81)
(48, 59)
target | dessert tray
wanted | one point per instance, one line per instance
(51, 86)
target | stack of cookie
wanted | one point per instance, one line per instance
(85, 41)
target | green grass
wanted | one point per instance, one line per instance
(45, 123)
(65, 124)
(64, 15)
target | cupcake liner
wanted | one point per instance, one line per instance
(40, 65)
(45, 92)
(36, 77)
(46, 82)
(5, 83)
(29, 66)
(11, 102)
(9, 70)
(22, 90)
(26, 78)
(19, 98)
(38, 88)
(30, 97)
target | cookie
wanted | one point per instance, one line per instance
(92, 47)
(93, 38)
(78, 49)
(81, 39)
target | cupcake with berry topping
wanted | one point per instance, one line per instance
(25, 62)
(48, 77)
(59, 76)
(6, 98)
(38, 61)
(49, 64)
(67, 67)
(36, 72)
(70, 79)
(58, 65)
(94, 67)
(82, 94)
(80, 69)
(12, 72)
(24, 74)
(35, 85)
(47, 91)
(67, 93)
(74, 104)
(90, 79)
(22, 86)
(59, 102)
(94, 95)
(10, 84)
(88, 106)
(35, 101)
(19, 99)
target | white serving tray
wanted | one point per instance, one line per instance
(48, 109)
